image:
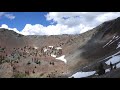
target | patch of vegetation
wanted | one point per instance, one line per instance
(51, 75)
(41, 74)
(2, 49)
(2, 59)
(28, 63)
(51, 63)
(33, 71)
(101, 69)
(20, 75)
(38, 62)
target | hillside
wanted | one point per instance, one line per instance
(57, 56)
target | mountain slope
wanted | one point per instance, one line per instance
(57, 55)
(104, 42)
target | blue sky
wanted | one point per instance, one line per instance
(53, 23)
(23, 18)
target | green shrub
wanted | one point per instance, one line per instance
(41, 74)
(19, 75)
(28, 63)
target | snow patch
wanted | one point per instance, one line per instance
(36, 47)
(110, 56)
(45, 50)
(107, 70)
(116, 37)
(50, 46)
(27, 51)
(58, 48)
(53, 55)
(118, 65)
(62, 58)
(83, 74)
(96, 74)
(113, 60)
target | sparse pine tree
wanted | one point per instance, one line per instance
(101, 69)
(33, 71)
(52, 63)
(115, 66)
(28, 63)
(18, 58)
(27, 72)
(111, 66)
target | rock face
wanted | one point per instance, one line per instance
(35, 56)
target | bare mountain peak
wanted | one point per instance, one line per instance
(10, 32)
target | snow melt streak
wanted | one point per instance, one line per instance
(112, 41)
(118, 45)
(53, 55)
